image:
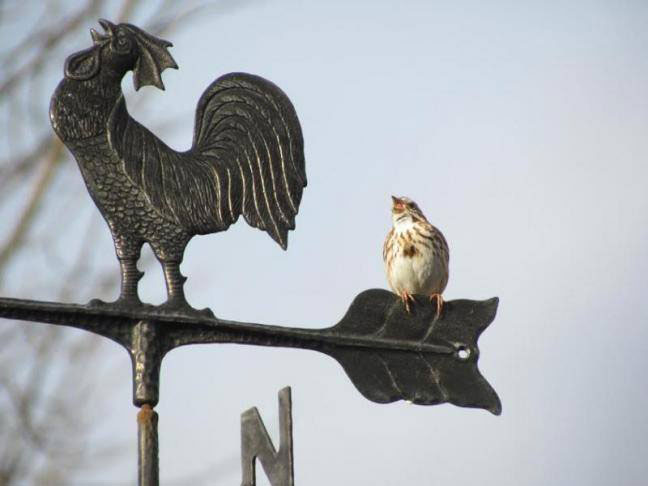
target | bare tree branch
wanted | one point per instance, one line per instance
(46, 41)
(41, 430)
(31, 209)
(19, 166)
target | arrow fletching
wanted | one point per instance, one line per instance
(390, 355)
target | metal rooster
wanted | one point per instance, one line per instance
(247, 156)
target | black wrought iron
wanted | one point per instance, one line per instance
(256, 443)
(247, 158)
(147, 445)
(388, 354)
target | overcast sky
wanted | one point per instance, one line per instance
(520, 129)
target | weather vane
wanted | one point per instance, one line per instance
(247, 158)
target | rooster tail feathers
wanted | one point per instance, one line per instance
(247, 158)
(248, 134)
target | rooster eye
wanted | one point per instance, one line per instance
(122, 44)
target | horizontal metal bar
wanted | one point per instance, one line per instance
(199, 330)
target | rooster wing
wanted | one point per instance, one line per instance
(247, 158)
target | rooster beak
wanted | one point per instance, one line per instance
(98, 38)
(108, 26)
(396, 201)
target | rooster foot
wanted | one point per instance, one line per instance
(121, 303)
(181, 307)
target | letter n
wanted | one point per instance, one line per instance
(256, 443)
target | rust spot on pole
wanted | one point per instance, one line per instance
(145, 415)
(147, 420)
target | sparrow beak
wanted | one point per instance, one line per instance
(397, 204)
(396, 201)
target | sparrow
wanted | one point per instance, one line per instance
(416, 255)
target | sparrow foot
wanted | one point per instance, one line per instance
(439, 304)
(406, 297)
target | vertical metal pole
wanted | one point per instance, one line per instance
(147, 441)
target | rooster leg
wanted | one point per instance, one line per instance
(130, 276)
(176, 302)
(175, 285)
(128, 252)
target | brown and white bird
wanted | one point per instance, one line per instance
(416, 255)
